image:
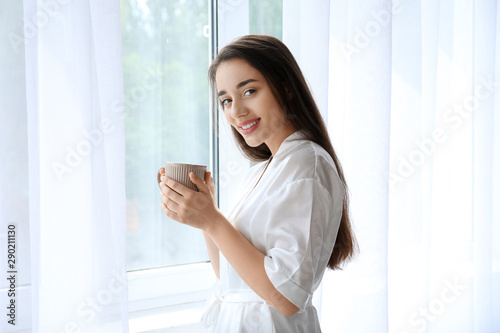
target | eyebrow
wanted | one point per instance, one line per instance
(238, 86)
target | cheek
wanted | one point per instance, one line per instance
(274, 109)
(276, 114)
(229, 119)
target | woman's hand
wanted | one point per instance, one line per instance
(196, 209)
(199, 210)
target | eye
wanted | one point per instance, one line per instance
(225, 102)
(249, 92)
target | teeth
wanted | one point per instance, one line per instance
(249, 125)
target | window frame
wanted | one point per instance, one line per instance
(171, 297)
(174, 297)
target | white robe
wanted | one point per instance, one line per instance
(292, 216)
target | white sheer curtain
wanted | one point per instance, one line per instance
(413, 109)
(69, 147)
(356, 300)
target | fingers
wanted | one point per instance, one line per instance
(161, 172)
(170, 196)
(209, 180)
(210, 183)
(175, 186)
(202, 187)
(183, 204)
(168, 212)
(169, 207)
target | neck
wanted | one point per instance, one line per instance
(275, 142)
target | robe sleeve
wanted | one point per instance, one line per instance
(302, 221)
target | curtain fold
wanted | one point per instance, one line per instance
(484, 146)
(76, 166)
(413, 109)
(359, 124)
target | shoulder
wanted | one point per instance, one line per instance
(304, 160)
(311, 157)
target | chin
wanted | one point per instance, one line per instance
(252, 141)
(253, 144)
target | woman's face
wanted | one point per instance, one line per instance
(250, 105)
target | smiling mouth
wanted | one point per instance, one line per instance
(247, 126)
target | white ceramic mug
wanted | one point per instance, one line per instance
(180, 173)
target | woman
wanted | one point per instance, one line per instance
(291, 221)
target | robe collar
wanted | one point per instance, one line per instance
(290, 143)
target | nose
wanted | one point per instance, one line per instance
(238, 109)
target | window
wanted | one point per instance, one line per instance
(165, 59)
(166, 55)
(266, 17)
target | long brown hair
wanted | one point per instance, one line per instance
(276, 63)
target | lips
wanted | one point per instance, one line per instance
(244, 123)
(249, 126)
